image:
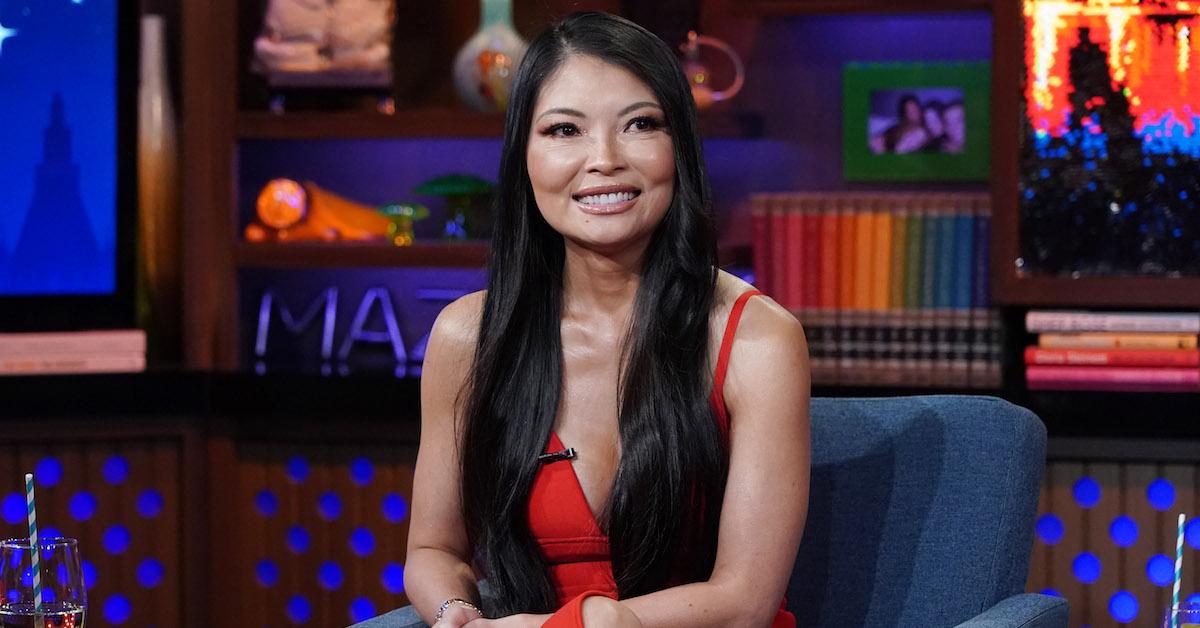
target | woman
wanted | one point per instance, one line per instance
(909, 133)
(935, 126)
(956, 128)
(574, 444)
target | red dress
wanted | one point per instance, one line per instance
(574, 546)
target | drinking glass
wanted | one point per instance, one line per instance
(64, 598)
(1186, 615)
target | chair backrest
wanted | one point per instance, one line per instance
(921, 510)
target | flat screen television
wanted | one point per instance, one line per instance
(68, 101)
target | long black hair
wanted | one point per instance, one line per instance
(662, 512)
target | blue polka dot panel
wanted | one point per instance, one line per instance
(361, 471)
(1123, 531)
(121, 500)
(299, 609)
(328, 528)
(1049, 528)
(83, 506)
(150, 573)
(1161, 570)
(1123, 606)
(1086, 568)
(1104, 539)
(266, 503)
(49, 471)
(361, 609)
(1087, 492)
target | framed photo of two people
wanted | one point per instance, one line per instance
(916, 121)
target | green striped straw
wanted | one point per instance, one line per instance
(34, 553)
(1178, 572)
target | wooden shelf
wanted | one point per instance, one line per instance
(1117, 292)
(470, 254)
(811, 7)
(302, 125)
(425, 123)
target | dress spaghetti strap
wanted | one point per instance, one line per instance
(718, 391)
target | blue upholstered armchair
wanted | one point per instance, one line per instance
(921, 516)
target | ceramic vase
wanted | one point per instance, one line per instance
(486, 65)
(158, 200)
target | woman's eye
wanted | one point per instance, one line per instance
(563, 129)
(644, 123)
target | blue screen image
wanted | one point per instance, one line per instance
(58, 147)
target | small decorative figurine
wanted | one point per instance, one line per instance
(288, 211)
(403, 215)
(467, 196)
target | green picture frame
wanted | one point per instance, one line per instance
(867, 157)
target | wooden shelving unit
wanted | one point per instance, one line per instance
(222, 113)
(431, 122)
(1107, 292)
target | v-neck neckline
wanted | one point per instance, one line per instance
(556, 444)
(716, 397)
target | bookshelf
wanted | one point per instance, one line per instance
(215, 47)
(221, 125)
(218, 124)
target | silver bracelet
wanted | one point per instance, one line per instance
(454, 600)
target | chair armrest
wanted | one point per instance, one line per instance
(1026, 610)
(400, 618)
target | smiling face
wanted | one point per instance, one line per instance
(933, 121)
(955, 127)
(600, 157)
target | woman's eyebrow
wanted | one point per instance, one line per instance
(579, 114)
(638, 105)
(563, 110)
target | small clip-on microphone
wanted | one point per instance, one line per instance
(566, 454)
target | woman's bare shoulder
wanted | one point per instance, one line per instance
(456, 329)
(769, 353)
(764, 325)
(760, 312)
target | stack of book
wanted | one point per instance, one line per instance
(1116, 351)
(892, 288)
(102, 351)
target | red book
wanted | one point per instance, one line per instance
(124, 341)
(830, 255)
(760, 246)
(812, 256)
(792, 297)
(780, 273)
(1113, 378)
(1180, 358)
(64, 363)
